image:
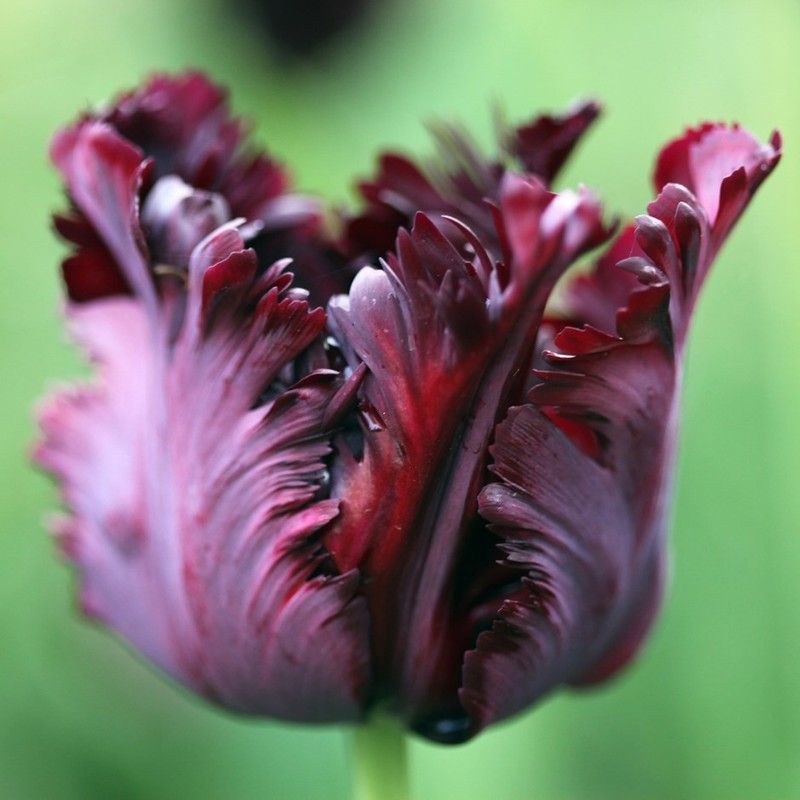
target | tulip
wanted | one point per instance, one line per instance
(402, 479)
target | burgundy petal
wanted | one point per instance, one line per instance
(594, 299)
(587, 524)
(460, 180)
(91, 271)
(177, 218)
(193, 511)
(443, 332)
(173, 146)
(184, 123)
(546, 142)
(707, 160)
(104, 174)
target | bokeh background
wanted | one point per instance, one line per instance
(712, 707)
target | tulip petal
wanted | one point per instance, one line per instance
(706, 159)
(91, 271)
(543, 145)
(194, 515)
(173, 143)
(586, 524)
(104, 174)
(595, 298)
(460, 179)
(184, 122)
(443, 332)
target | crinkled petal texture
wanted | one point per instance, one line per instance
(194, 468)
(183, 122)
(583, 470)
(460, 180)
(172, 147)
(446, 338)
(194, 520)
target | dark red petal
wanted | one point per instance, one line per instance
(460, 180)
(183, 127)
(543, 145)
(706, 161)
(391, 199)
(90, 274)
(444, 332)
(578, 522)
(644, 605)
(177, 217)
(183, 122)
(584, 472)
(317, 264)
(104, 173)
(565, 523)
(194, 510)
(595, 298)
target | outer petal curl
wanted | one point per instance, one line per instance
(176, 133)
(584, 470)
(460, 179)
(193, 511)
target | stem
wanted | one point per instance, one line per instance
(380, 763)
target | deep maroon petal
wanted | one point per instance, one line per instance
(443, 332)
(104, 174)
(392, 198)
(193, 511)
(177, 218)
(460, 180)
(594, 299)
(173, 147)
(584, 471)
(544, 144)
(91, 271)
(707, 160)
(184, 124)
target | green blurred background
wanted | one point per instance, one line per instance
(712, 708)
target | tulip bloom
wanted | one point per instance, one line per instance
(400, 479)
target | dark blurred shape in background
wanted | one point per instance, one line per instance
(306, 28)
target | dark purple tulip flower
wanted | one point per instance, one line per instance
(429, 495)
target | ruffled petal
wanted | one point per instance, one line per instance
(595, 298)
(442, 331)
(584, 470)
(543, 145)
(104, 174)
(721, 165)
(194, 509)
(460, 179)
(173, 147)
(184, 122)
(177, 218)
(91, 271)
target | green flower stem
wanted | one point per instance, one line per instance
(380, 761)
